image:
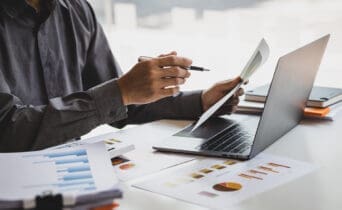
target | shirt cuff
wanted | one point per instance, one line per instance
(192, 103)
(108, 101)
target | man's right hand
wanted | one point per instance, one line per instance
(154, 79)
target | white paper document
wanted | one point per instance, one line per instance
(220, 183)
(115, 147)
(144, 160)
(71, 171)
(258, 58)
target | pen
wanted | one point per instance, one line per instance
(194, 68)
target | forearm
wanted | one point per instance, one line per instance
(186, 105)
(26, 127)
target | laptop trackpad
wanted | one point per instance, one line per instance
(210, 128)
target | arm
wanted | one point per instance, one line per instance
(26, 127)
(186, 106)
(144, 84)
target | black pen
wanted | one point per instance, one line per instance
(194, 68)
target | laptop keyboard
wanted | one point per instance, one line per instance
(232, 140)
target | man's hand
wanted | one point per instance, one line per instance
(219, 90)
(154, 79)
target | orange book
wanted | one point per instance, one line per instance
(316, 112)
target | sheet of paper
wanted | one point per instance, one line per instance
(78, 170)
(219, 183)
(115, 147)
(258, 58)
(215, 107)
(144, 160)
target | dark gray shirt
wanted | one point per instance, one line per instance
(58, 78)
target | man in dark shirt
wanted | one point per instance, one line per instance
(59, 79)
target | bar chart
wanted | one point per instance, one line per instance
(72, 170)
(82, 175)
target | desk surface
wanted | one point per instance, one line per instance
(318, 142)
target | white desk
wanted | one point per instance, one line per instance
(318, 142)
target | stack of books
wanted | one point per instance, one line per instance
(324, 102)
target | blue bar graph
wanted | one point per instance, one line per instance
(73, 183)
(72, 168)
(78, 189)
(77, 176)
(82, 152)
(85, 167)
(72, 160)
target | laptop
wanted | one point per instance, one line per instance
(243, 139)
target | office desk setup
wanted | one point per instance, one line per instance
(299, 168)
(316, 142)
(269, 154)
(272, 161)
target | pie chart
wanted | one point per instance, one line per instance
(127, 166)
(227, 186)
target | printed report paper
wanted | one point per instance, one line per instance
(115, 147)
(258, 58)
(79, 170)
(220, 183)
(144, 160)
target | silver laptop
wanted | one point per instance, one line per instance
(290, 89)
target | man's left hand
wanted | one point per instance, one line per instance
(219, 90)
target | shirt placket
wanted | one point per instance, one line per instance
(46, 61)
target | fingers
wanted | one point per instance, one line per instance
(146, 58)
(168, 54)
(240, 92)
(232, 104)
(226, 109)
(169, 91)
(173, 60)
(174, 72)
(229, 107)
(234, 101)
(232, 110)
(175, 81)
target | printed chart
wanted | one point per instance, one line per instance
(114, 146)
(78, 170)
(144, 160)
(140, 163)
(218, 183)
(71, 168)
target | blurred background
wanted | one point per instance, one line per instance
(222, 34)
